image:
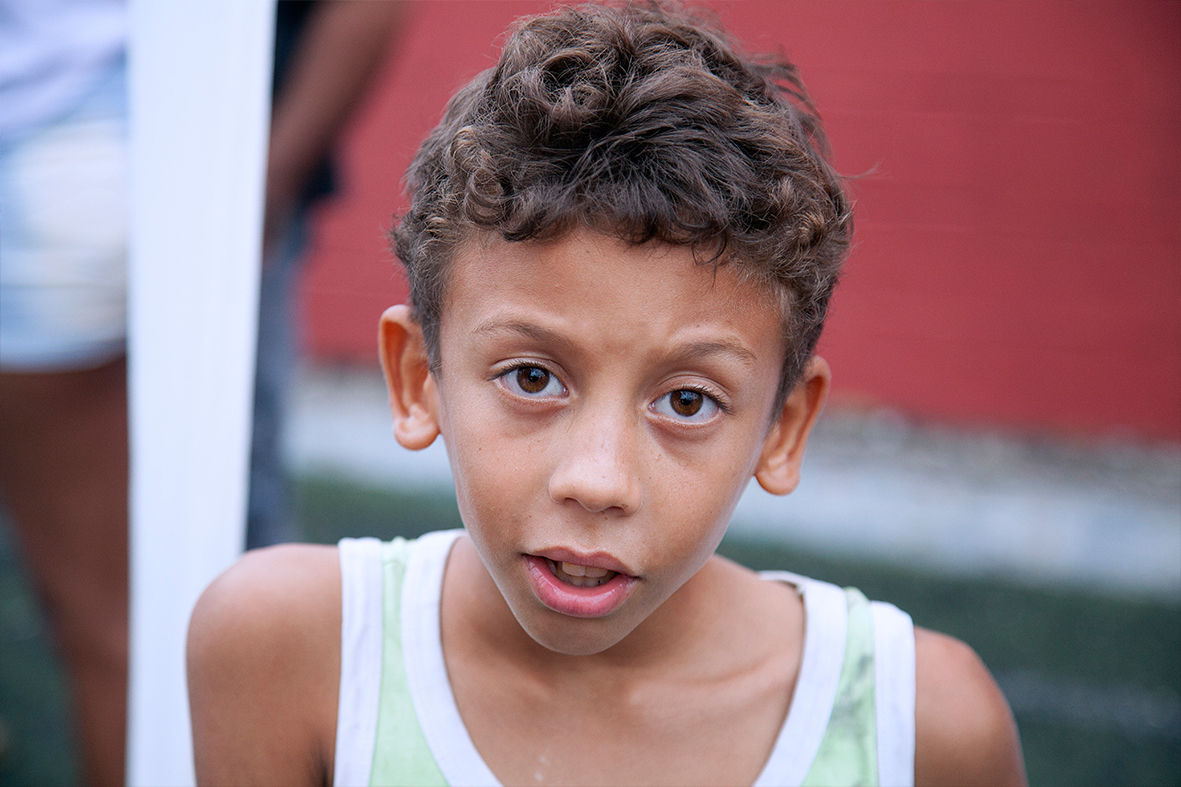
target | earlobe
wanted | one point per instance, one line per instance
(778, 470)
(413, 396)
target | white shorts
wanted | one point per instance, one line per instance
(63, 237)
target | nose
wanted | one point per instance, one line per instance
(598, 468)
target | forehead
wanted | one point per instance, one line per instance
(601, 288)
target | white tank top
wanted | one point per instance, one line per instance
(851, 718)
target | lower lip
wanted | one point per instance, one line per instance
(589, 602)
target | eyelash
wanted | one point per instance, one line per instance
(709, 397)
(505, 375)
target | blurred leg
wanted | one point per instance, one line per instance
(269, 517)
(63, 474)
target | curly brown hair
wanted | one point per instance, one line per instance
(647, 124)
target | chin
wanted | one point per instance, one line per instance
(571, 636)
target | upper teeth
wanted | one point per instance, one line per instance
(575, 570)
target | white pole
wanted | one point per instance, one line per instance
(200, 73)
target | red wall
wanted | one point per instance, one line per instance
(1018, 257)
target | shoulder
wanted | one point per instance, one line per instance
(964, 730)
(263, 668)
(267, 595)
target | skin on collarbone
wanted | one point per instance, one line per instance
(606, 405)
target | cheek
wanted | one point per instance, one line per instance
(696, 503)
(705, 481)
(494, 472)
(702, 496)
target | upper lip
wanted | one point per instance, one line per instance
(594, 559)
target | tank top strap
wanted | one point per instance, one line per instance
(851, 719)
(894, 691)
(360, 660)
(825, 635)
(848, 751)
(401, 756)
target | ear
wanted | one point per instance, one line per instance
(778, 470)
(414, 399)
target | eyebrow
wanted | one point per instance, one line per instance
(525, 329)
(695, 350)
(688, 351)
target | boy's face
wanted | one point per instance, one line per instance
(603, 407)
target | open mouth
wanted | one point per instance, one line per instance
(577, 589)
(580, 576)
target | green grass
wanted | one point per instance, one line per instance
(330, 509)
(1098, 644)
(1057, 754)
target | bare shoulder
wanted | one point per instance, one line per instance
(964, 730)
(264, 666)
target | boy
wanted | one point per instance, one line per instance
(621, 246)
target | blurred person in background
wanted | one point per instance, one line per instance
(326, 54)
(63, 244)
(63, 371)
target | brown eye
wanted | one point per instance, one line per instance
(686, 403)
(532, 379)
(533, 382)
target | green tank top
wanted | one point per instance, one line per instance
(837, 697)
